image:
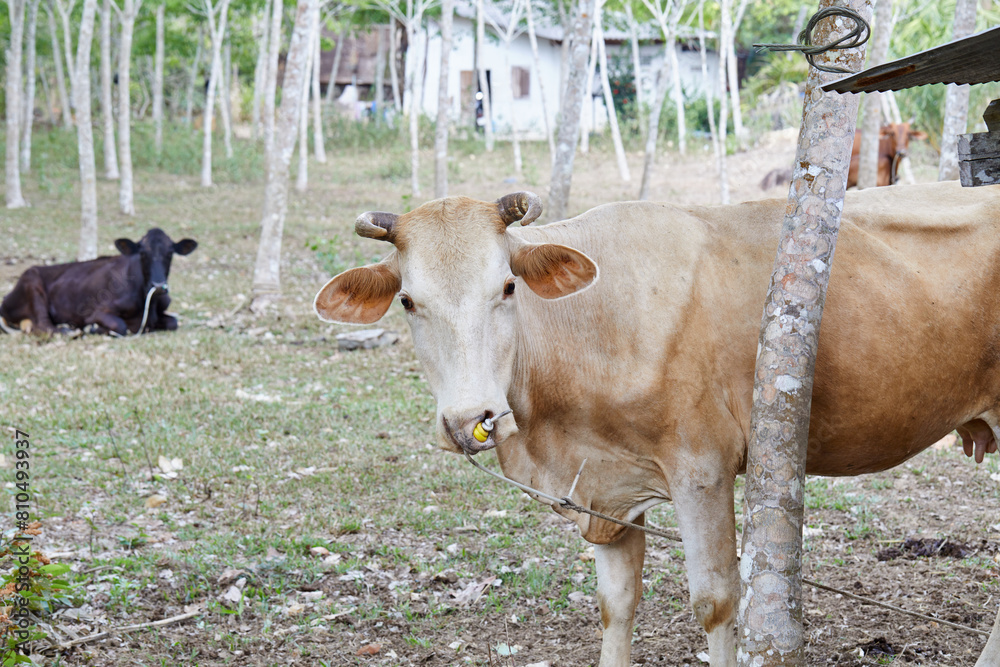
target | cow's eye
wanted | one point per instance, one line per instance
(406, 301)
(508, 288)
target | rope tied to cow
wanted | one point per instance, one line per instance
(855, 38)
(145, 315)
(566, 502)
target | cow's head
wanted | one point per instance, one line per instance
(458, 269)
(155, 250)
(899, 135)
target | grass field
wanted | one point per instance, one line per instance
(244, 469)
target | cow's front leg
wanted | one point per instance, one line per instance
(112, 323)
(990, 657)
(619, 589)
(704, 504)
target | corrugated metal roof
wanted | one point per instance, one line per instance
(971, 59)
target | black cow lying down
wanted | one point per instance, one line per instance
(108, 292)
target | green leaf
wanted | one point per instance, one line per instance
(55, 569)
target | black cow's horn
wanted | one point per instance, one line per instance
(376, 225)
(523, 206)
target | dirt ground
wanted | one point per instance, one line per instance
(476, 587)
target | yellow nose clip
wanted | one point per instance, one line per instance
(485, 427)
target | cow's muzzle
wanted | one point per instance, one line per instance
(161, 288)
(463, 433)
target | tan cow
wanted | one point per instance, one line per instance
(645, 365)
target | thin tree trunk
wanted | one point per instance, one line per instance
(107, 99)
(872, 105)
(732, 70)
(331, 84)
(483, 82)
(633, 33)
(85, 136)
(588, 121)
(14, 104)
(267, 270)
(64, 16)
(416, 94)
(378, 94)
(393, 69)
(709, 98)
(226, 100)
(677, 91)
(64, 109)
(126, 200)
(770, 613)
(158, 80)
(28, 114)
(538, 77)
(215, 70)
(193, 78)
(302, 176)
(271, 84)
(653, 127)
(443, 107)
(725, 37)
(47, 94)
(319, 149)
(956, 104)
(569, 126)
(260, 71)
(609, 100)
(564, 51)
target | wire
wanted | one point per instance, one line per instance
(862, 31)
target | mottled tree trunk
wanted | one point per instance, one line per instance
(193, 78)
(872, 115)
(956, 104)
(533, 40)
(443, 110)
(267, 270)
(319, 149)
(302, 175)
(65, 11)
(770, 611)
(653, 126)
(14, 104)
(28, 113)
(85, 136)
(107, 99)
(483, 83)
(261, 29)
(271, 84)
(64, 104)
(569, 126)
(609, 100)
(215, 73)
(158, 80)
(126, 200)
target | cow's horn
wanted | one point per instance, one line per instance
(376, 225)
(523, 206)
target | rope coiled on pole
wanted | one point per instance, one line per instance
(855, 38)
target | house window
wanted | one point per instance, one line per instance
(521, 82)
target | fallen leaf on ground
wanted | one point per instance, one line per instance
(155, 501)
(369, 649)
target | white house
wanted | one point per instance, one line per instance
(515, 93)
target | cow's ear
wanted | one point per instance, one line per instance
(553, 271)
(185, 246)
(359, 296)
(126, 247)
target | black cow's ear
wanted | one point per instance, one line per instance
(126, 247)
(185, 246)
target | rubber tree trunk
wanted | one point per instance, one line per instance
(64, 105)
(126, 199)
(956, 103)
(331, 85)
(216, 34)
(587, 120)
(30, 66)
(633, 35)
(677, 91)
(378, 92)
(871, 123)
(261, 29)
(85, 136)
(43, 75)
(267, 270)
(725, 37)
(609, 102)
(107, 99)
(533, 40)
(416, 94)
(319, 149)
(14, 104)
(483, 82)
(443, 107)
(569, 126)
(158, 80)
(732, 70)
(302, 175)
(709, 98)
(226, 99)
(271, 83)
(770, 610)
(67, 36)
(397, 100)
(193, 78)
(653, 127)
